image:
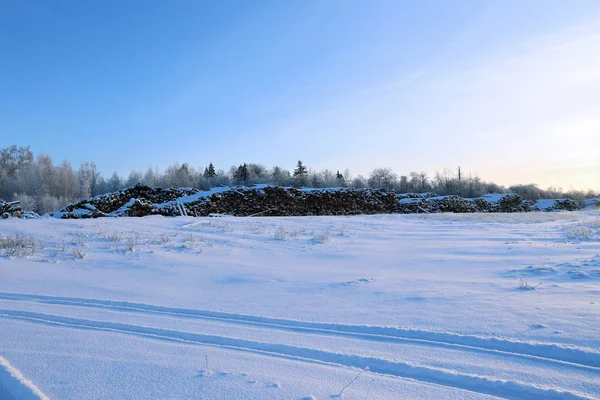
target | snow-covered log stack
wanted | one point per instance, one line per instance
(13, 209)
(490, 203)
(509, 203)
(279, 201)
(10, 209)
(556, 205)
(454, 204)
(122, 203)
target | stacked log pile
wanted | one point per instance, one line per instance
(512, 203)
(508, 203)
(10, 209)
(279, 201)
(150, 201)
(557, 205)
(13, 209)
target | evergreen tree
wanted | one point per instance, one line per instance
(300, 174)
(300, 171)
(241, 174)
(340, 178)
(209, 172)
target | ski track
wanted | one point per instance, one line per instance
(443, 377)
(549, 352)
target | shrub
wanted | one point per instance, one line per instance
(112, 236)
(18, 245)
(78, 254)
(280, 234)
(321, 238)
(131, 242)
(579, 232)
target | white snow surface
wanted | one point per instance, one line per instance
(592, 203)
(496, 197)
(452, 306)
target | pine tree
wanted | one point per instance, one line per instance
(209, 172)
(241, 174)
(300, 171)
(300, 174)
(340, 178)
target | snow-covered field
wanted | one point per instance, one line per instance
(463, 306)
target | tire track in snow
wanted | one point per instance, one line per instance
(438, 376)
(14, 386)
(553, 352)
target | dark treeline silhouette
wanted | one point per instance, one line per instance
(43, 186)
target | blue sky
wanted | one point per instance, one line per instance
(506, 89)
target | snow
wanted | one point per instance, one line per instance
(197, 196)
(13, 385)
(547, 204)
(438, 198)
(121, 211)
(325, 189)
(592, 203)
(399, 306)
(410, 200)
(496, 197)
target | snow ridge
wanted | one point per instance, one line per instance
(13, 385)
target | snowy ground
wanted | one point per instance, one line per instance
(464, 306)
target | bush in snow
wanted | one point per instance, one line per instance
(579, 232)
(18, 245)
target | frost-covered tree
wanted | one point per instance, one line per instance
(185, 175)
(151, 177)
(315, 180)
(114, 183)
(382, 178)
(328, 178)
(134, 178)
(257, 173)
(12, 159)
(281, 177)
(43, 186)
(423, 182)
(179, 175)
(403, 185)
(67, 183)
(48, 175)
(88, 179)
(359, 182)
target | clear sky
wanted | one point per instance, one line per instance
(508, 89)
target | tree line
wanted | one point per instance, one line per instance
(43, 186)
